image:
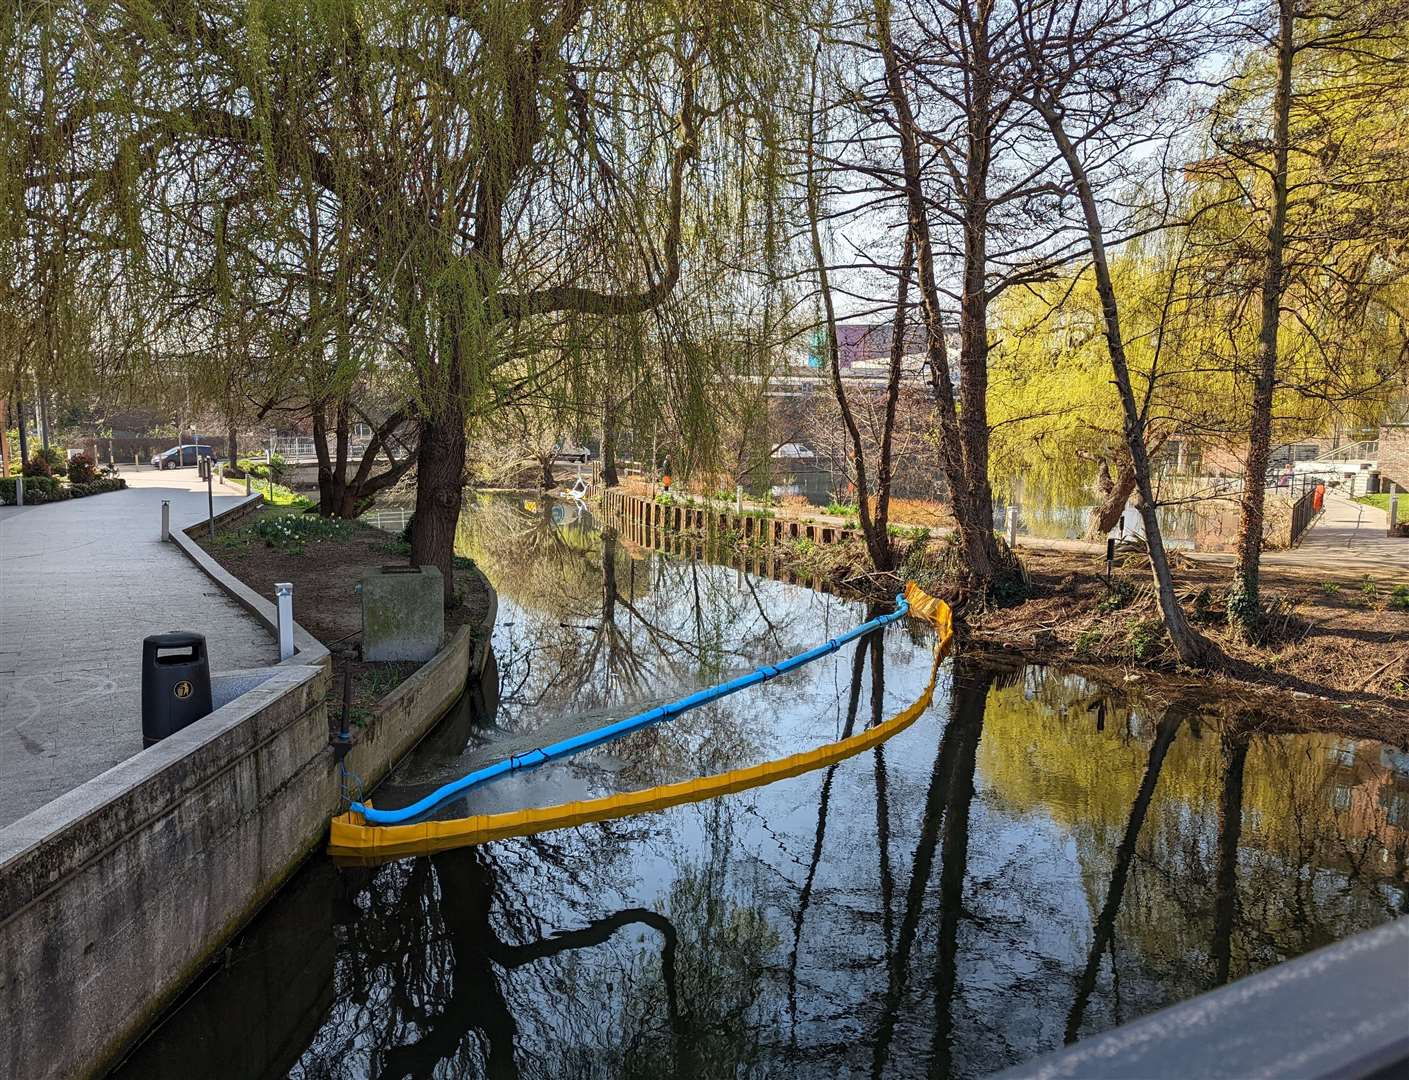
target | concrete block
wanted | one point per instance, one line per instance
(403, 614)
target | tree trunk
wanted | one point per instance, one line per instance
(1244, 602)
(232, 443)
(440, 489)
(1193, 649)
(1115, 494)
(973, 300)
(609, 476)
(546, 480)
(885, 470)
(328, 494)
(1104, 929)
(24, 435)
(1230, 825)
(980, 550)
(877, 543)
(4, 437)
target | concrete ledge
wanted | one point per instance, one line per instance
(117, 893)
(408, 714)
(307, 648)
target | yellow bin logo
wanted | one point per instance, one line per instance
(182, 689)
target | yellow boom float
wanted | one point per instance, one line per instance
(353, 840)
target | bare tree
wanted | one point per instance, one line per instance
(1092, 71)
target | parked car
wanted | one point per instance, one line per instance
(183, 457)
(568, 452)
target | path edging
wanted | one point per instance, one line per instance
(307, 648)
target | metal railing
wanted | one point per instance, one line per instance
(391, 519)
(1366, 450)
(1341, 1011)
(1303, 512)
(300, 449)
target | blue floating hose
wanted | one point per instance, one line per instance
(589, 739)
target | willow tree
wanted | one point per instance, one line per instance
(1305, 181)
(493, 160)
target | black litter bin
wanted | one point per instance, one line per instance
(175, 684)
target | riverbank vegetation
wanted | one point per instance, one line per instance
(452, 243)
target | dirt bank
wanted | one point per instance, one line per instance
(325, 565)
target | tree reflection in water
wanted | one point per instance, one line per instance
(1037, 859)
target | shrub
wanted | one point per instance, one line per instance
(37, 490)
(1145, 638)
(260, 469)
(97, 486)
(1399, 598)
(81, 469)
(54, 458)
(38, 466)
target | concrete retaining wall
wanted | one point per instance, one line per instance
(116, 895)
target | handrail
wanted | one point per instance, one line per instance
(1371, 448)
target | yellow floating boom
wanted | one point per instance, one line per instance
(354, 841)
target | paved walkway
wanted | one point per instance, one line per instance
(1347, 538)
(81, 584)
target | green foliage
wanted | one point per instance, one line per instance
(1399, 598)
(1145, 638)
(261, 469)
(910, 533)
(1120, 594)
(37, 490)
(842, 509)
(1330, 588)
(1086, 641)
(98, 486)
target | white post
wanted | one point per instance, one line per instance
(247, 482)
(1393, 511)
(19, 491)
(284, 594)
(1012, 526)
(739, 499)
(166, 519)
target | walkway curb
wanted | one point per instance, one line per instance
(307, 648)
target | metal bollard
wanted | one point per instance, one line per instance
(165, 519)
(210, 495)
(1393, 511)
(284, 595)
(247, 482)
(19, 491)
(1012, 526)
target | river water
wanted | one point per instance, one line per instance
(1036, 859)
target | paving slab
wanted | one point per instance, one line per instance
(82, 582)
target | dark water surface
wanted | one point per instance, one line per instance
(1036, 859)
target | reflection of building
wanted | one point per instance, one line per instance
(1370, 792)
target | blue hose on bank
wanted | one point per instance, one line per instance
(610, 732)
